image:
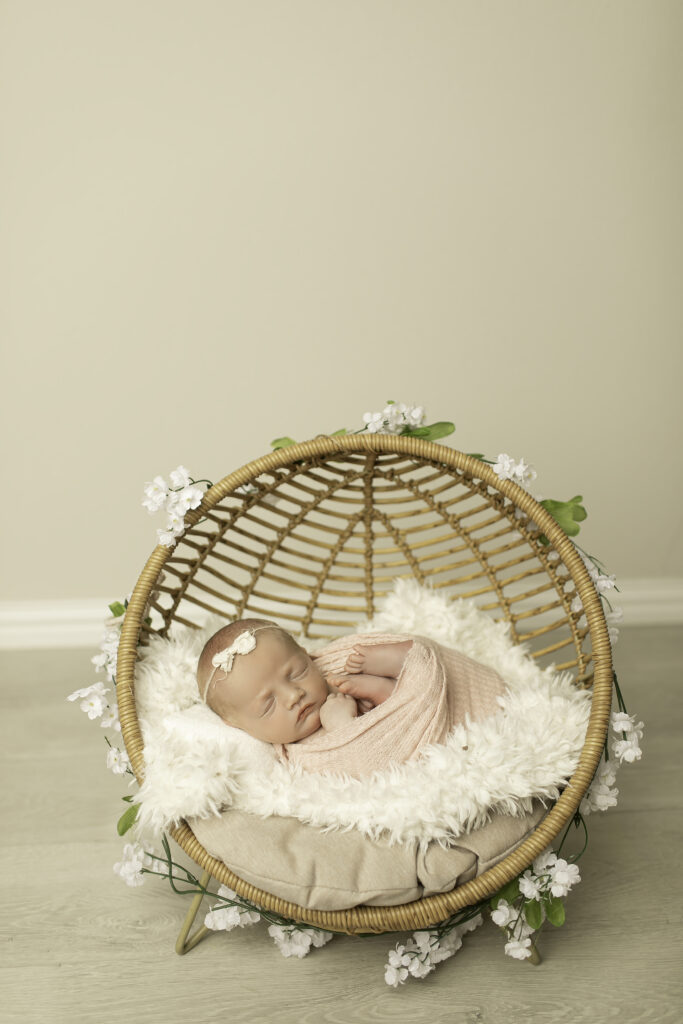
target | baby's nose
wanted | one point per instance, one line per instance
(294, 695)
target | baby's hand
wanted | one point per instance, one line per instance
(355, 661)
(338, 709)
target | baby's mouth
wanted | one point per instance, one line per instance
(304, 711)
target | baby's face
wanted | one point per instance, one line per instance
(275, 692)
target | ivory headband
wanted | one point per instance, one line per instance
(243, 643)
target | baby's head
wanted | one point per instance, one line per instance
(273, 690)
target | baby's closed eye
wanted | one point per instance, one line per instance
(268, 705)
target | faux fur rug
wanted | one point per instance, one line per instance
(197, 766)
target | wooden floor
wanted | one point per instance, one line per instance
(82, 946)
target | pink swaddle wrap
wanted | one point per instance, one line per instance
(436, 689)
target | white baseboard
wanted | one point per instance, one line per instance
(77, 622)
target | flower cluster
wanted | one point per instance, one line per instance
(602, 792)
(604, 582)
(106, 660)
(395, 418)
(98, 700)
(131, 866)
(528, 901)
(176, 499)
(520, 472)
(292, 940)
(230, 912)
(419, 956)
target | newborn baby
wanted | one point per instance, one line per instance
(255, 676)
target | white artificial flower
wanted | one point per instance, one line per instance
(132, 863)
(577, 605)
(468, 926)
(395, 976)
(291, 941)
(189, 497)
(524, 473)
(544, 861)
(504, 467)
(94, 706)
(626, 750)
(396, 970)
(175, 521)
(110, 718)
(504, 914)
(373, 421)
(604, 582)
(562, 877)
(319, 937)
(109, 646)
(223, 919)
(97, 688)
(117, 761)
(520, 949)
(155, 494)
(423, 940)
(421, 968)
(393, 418)
(530, 886)
(166, 538)
(600, 794)
(180, 477)
(226, 918)
(622, 722)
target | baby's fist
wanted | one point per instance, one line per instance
(338, 709)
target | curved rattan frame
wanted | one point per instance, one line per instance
(430, 910)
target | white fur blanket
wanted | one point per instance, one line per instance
(197, 766)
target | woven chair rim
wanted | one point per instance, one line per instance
(429, 910)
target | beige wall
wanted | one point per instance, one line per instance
(226, 221)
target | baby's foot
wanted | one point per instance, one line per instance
(366, 687)
(338, 709)
(378, 659)
(355, 661)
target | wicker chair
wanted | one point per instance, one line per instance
(313, 535)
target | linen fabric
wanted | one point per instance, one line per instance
(335, 871)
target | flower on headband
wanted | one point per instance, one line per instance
(244, 643)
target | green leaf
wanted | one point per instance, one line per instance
(509, 892)
(476, 455)
(127, 819)
(338, 432)
(533, 914)
(554, 909)
(432, 432)
(117, 609)
(568, 514)
(282, 442)
(128, 799)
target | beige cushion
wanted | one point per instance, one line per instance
(336, 870)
